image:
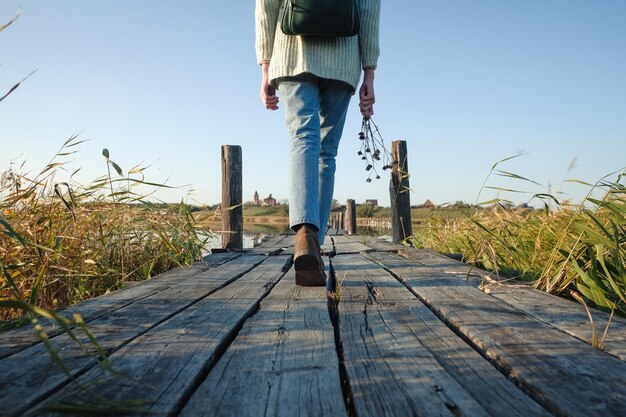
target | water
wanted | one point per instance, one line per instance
(253, 235)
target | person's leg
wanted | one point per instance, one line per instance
(334, 101)
(300, 98)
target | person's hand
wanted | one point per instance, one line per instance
(268, 92)
(366, 94)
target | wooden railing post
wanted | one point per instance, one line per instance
(232, 196)
(399, 190)
(350, 217)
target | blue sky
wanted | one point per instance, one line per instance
(465, 83)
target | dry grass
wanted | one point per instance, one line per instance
(61, 243)
(579, 251)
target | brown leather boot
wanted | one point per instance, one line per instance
(307, 258)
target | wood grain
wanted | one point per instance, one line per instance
(566, 376)
(400, 192)
(12, 341)
(30, 375)
(273, 246)
(403, 361)
(163, 366)
(563, 314)
(282, 363)
(232, 197)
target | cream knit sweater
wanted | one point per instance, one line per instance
(333, 58)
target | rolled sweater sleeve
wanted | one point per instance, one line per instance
(369, 14)
(266, 15)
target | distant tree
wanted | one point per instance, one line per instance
(283, 210)
(365, 210)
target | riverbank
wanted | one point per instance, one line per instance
(367, 215)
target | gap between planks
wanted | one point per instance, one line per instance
(163, 366)
(12, 341)
(560, 313)
(403, 361)
(565, 375)
(282, 363)
(113, 331)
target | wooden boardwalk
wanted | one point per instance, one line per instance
(411, 335)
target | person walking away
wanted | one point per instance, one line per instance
(315, 77)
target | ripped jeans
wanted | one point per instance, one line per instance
(315, 113)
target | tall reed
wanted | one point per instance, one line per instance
(563, 249)
(62, 243)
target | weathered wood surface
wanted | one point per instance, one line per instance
(403, 361)
(412, 337)
(560, 313)
(19, 339)
(400, 192)
(232, 197)
(165, 364)
(113, 331)
(282, 363)
(565, 315)
(375, 244)
(342, 245)
(565, 375)
(350, 217)
(272, 246)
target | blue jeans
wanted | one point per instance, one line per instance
(315, 112)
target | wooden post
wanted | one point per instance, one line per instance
(232, 195)
(399, 190)
(350, 217)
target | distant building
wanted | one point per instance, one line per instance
(255, 199)
(269, 201)
(373, 203)
(428, 204)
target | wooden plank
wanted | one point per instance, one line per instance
(350, 217)
(343, 244)
(273, 246)
(428, 257)
(113, 331)
(403, 361)
(565, 375)
(565, 315)
(288, 244)
(12, 341)
(164, 366)
(232, 200)
(377, 244)
(334, 231)
(282, 363)
(399, 192)
(560, 313)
